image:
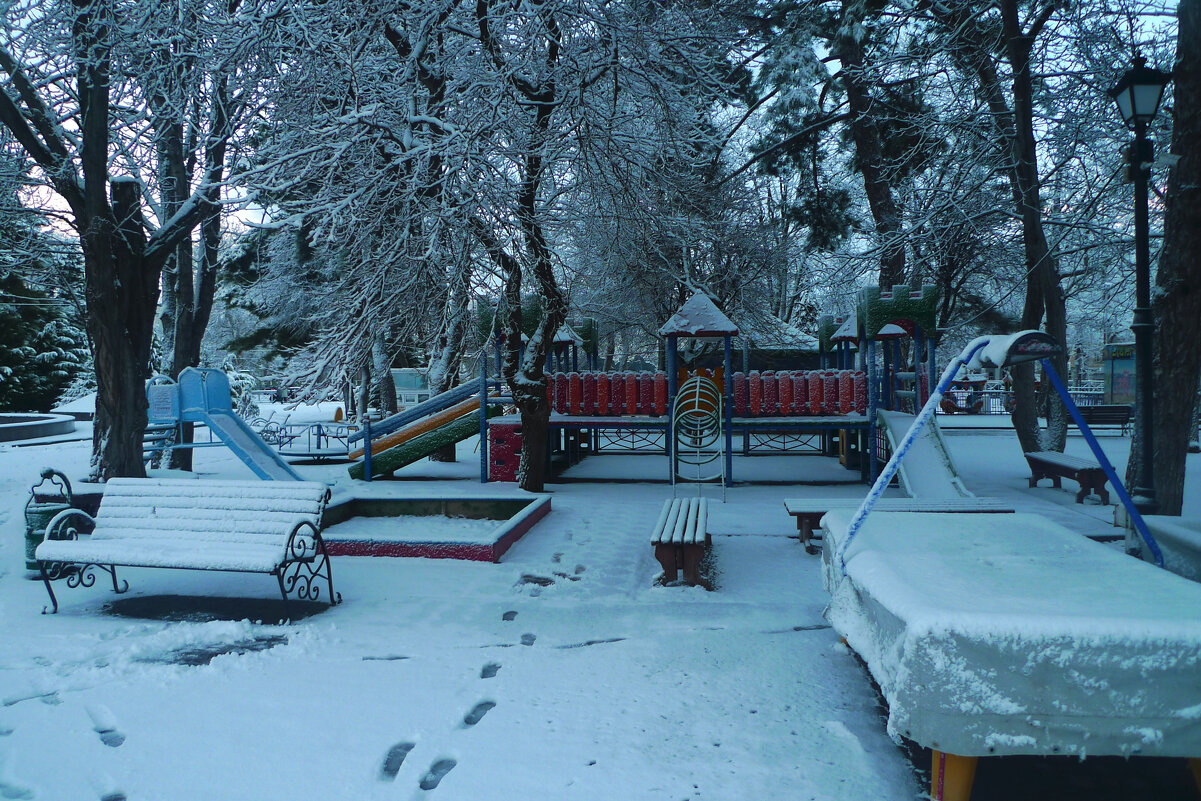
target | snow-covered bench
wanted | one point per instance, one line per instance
(992, 635)
(271, 527)
(1054, 465)
(808, 511)
(680, 538)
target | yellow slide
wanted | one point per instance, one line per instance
(420, 427)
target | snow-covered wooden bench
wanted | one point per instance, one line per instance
(1107, 414)
(271, 527)
(1054, 465)
(680, 538)
(808, 511)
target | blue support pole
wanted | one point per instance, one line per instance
(672, 389)
(366, 448)
(1140, 525)
(919, 347)
(728, 402)
(872, 405)
(483, 420)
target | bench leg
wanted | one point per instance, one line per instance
(951, 776)
(693, 554)
(666, 556)
(49, 589)
(806, 528)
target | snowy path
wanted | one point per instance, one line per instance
(559, 673)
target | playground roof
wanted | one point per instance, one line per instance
(847, 332)
(565, 335)
(699, 317)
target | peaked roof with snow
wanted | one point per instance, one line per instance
(565, 335)
(699, 317)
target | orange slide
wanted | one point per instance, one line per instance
(420, 427)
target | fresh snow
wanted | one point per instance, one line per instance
(604, 686)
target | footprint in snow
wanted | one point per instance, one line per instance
(104, 723)
(528, 639)
(394, 759)
(477, 713)
(11, 788)
(510, 615)
(489, 670)
(436, 773)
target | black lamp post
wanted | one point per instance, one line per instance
(1137, 95)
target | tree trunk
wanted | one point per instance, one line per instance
(1044, 295)
(868, 148)
(122, 293)
(1178, 296)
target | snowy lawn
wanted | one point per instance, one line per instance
(596, 685)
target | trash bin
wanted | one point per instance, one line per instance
(43, 504)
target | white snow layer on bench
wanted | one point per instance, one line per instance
(1013, 635)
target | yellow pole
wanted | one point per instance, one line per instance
(951, 776)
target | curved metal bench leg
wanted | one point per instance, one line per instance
(46, 581)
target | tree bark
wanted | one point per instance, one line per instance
(1178, 296)
(1044, 294)
(868, 147)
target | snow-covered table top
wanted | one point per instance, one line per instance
(1012, 635)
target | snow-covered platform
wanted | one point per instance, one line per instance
(993, 635)
(474, 528)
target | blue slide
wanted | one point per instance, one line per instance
(204, 397)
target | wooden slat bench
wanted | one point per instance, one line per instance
(1054, 465)
(1108, 414)
(680, 538)
(271, 527)
(808, 511)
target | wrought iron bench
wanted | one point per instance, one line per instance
(1054, 465)
(809, 511)
(271, 527)
(680, 538)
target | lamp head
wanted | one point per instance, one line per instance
(1139, 91)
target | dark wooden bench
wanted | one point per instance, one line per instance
(809, 511)
(271, 527)
(1053, 465)
(680, 538)
(1107, 415)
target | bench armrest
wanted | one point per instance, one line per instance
(304, 541)
(61, 526)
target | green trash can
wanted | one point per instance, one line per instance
(43, 504)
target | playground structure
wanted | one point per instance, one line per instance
(1035, 642)
(202, 396)
(594, 412)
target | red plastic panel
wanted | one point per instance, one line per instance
(631, 393)
(846, 392)
(561, 393)
(740, 399)
(785, 380)
(504, 451)
(800, 392)
(830, 392)
(660, 394)
(815, 392)
(754, 386)
(646, 393)
(575, 393)
(861, 392)
(589, 405)
(771, 395)
(604, 389)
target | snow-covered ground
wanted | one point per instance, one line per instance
(596, 685)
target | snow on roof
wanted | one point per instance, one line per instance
(847, 332)
(565, 335)
(892, 331)
(698, 317)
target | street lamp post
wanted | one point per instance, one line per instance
(1138, 94)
